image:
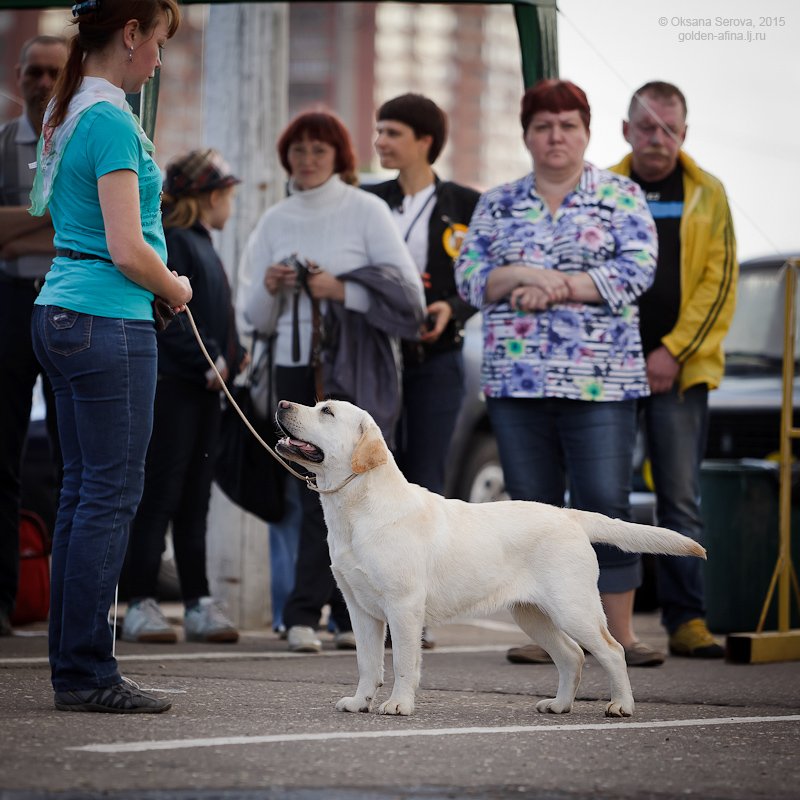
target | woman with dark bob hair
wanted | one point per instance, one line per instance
(556, 261)
(93, 329)
(329, 252)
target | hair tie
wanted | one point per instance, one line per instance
(85, 7)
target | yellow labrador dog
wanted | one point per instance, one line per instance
(407, 557)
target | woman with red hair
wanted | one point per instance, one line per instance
(329, 252)
(556, 261)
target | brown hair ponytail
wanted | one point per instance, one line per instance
(68, 81)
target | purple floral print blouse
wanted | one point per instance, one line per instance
(578, 351)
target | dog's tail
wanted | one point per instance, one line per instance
(635, 538)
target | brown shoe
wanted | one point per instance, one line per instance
(640, 654)
(529, 654)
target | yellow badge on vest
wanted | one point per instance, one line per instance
(453, 238)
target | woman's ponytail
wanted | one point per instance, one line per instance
(68, 82)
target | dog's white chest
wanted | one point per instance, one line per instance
(347, 572)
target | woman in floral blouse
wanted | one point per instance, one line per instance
(556, 261)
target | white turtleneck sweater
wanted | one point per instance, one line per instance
(338, 227)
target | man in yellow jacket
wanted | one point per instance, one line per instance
(684, 318)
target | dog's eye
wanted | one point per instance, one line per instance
(327, 410)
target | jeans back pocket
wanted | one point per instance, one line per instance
(67, 332)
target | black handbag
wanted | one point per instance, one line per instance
(244, 470)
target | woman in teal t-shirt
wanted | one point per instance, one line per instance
(93, 330)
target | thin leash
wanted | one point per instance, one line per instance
(310, 480)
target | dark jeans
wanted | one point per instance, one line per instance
(432, 395)
(18, 371)
(314, 584)
(177, 486)
(676, 427)
(284, 541)
(103, 373)
(552, 444)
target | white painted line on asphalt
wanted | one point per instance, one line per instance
(227, 741)
(212, 655)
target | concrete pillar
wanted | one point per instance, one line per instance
(245, 84)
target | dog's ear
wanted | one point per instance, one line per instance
(370, 451)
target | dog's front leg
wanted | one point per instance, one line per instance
(406, 629)
(370, 635)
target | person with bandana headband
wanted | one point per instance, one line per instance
(198, 198)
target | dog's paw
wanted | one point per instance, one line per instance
(618, 709)
(402, 708)
(353, 704)
(552, 707)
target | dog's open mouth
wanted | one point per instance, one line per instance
(298, 448)
(294, 448)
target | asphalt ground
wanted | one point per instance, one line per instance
(252, 721)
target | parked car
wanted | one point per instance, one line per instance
(744, 412)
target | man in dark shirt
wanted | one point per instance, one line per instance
(684, 317)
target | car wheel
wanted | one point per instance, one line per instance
(482, 478)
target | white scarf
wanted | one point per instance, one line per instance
(53, 141)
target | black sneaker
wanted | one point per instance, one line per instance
(5, 623)
(121, 698)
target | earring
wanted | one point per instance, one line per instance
(130, 54)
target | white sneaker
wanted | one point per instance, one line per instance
(145, 622)
(345, 640)
(303, 639)
(206, 622)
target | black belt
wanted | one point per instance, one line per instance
(76, 255)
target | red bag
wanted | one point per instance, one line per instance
(33, 593)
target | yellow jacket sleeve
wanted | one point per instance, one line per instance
(709, 271)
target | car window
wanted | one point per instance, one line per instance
(755, 340)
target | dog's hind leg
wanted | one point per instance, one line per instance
(611, 656)
(585, 622)
(566, 655)
(405, 623)
(370, 634)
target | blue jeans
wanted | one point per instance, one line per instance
(432, 395)
(284, 541)
(676, 428)
(550, 445)
(103, 373)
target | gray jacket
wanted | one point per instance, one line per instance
(361, 359)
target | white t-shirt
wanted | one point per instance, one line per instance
(412, 219)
